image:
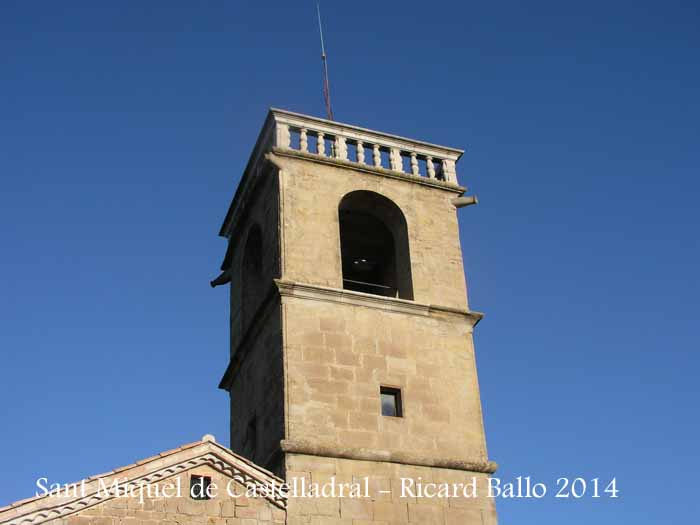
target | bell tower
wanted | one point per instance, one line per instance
(351, 350)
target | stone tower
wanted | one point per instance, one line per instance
(351, 335)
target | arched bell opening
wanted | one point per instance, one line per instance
(374, 246)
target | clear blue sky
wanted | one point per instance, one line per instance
(124, 128)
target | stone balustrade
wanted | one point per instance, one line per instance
(364, 147)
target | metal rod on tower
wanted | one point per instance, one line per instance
(326, 86)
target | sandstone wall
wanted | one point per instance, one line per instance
(311, 193)
(387, 507)
(337, 357)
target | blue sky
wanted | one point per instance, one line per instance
(124, 129)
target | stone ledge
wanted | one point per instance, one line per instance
(404, 458)
(316, 292)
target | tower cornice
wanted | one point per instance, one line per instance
(337, 295)
(332, 450)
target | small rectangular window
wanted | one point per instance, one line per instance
(199, 487)
(391, 401)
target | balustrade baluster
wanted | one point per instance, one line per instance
(431, 167)
(341, 148)
(414, 164)
(303, 140)
(395, 159)
(360, 152)
(321, 144)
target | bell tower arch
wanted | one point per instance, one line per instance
(374, 245)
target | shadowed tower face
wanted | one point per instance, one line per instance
(351, 335)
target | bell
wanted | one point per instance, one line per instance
(363, 264)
